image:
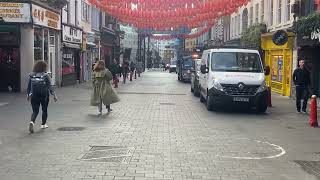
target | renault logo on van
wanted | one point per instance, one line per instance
(240, 86)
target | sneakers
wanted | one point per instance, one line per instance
(44, 126)
(304, 111)
(31, 124)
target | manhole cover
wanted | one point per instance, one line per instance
(169, 104)
(71, 129)
(114, 154)
(311, 167)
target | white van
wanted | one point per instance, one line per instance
(233, 76)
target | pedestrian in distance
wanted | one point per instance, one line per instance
(301, 79)
(103, 93)
(39, 90)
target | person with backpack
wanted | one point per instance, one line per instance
(39, 90)
(103, 93)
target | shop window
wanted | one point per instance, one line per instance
(277, 68)
(68, 66)
(45, 45)
(38, 42)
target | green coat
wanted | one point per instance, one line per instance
(102, 89)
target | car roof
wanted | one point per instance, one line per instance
(232, 50)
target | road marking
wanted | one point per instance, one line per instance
(3, 104)
(279, 148)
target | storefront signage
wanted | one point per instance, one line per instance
(71, 35)
(315, 35)
(45, 17)
(280, 37)
(15, 12)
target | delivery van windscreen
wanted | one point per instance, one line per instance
(187, 63)
(236, 62)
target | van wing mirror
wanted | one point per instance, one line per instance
(267, 70)
(204, 69)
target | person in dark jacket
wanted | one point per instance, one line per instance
(301, 79)
(39, 89)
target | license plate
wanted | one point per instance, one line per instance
(240, 99)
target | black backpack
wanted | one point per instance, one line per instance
(39, 85)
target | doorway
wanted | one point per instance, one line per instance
(9, 69)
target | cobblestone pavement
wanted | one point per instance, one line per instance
(158, 131)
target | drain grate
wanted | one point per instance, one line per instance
(169, 104)
(71, 129)
(114, 154)
(311, 167)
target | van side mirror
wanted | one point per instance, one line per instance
(267, 70)
(204, 69)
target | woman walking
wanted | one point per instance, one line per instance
(103, 93)
(39, 88)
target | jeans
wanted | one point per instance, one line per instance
(301, 93)
(36, 101)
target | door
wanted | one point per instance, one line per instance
(52, 56)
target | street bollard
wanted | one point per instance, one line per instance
(131, 74)
(135, 74)
(269, 97)
(313, 122)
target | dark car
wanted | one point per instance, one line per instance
(184, 68)
(195, 73)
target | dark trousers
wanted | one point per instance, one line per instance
(35, 103)
(301, 93)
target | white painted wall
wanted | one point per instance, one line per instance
(26, 54)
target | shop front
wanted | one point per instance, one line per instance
(13, 16)
(71, 61)
(108, 47)
(91, 53)
(47, 26)
(278, 56)
(309, 50)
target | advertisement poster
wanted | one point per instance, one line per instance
(277, 68)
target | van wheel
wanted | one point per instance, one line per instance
(209, 104)
(202, 98)
(262, 108)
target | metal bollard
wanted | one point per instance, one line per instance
(135, 74)
(269, 97)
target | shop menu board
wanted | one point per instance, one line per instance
(68, 66)
(15, 12)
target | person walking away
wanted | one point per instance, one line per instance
(39, 90)
(301, 79)
(103, 93)
(114, 70)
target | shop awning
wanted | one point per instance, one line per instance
(70, 45)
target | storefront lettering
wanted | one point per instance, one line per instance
(15, 12)
(45, 17)
(71, 34)
(315, 35)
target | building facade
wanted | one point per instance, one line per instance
(30, 31)
(277, 15)
(129, 43)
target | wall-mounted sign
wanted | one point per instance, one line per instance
(15, 12)
(315, 35)
(280, 37)
(71, 35)
(45, 17)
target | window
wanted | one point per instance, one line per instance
(66, 10)
(279, 11)
(257, 13)
(262, 11)
(86, 11)
(251, 15)
(288, 10)
(271, 13)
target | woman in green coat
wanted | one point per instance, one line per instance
(103, 93)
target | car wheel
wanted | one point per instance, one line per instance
(202, 99)
(196, 92)
(209, 104)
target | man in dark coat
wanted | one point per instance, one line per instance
(301, 79)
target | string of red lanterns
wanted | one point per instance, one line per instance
(168, 14)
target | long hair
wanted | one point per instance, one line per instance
(40, 66)
(100, 65)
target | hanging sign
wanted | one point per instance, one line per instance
(280, 37)
(45, 17)
(15, 12)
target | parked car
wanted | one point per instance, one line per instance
(173, 66)
(184, 67)
(195, 74)
(233, 76)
